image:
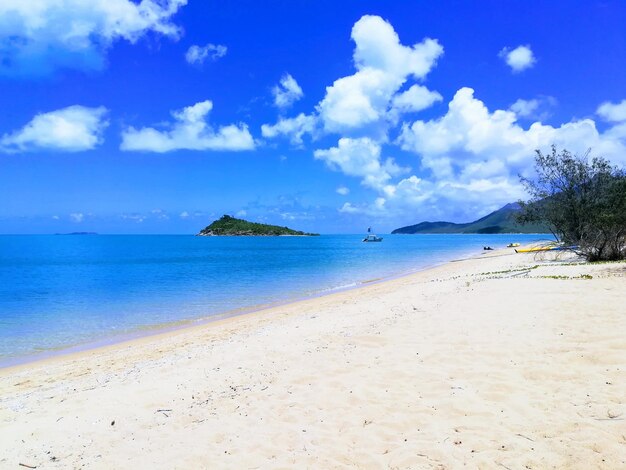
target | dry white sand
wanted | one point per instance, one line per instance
(447, 368)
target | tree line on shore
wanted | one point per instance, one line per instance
(582, 200)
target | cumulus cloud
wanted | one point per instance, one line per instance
(184, 215)
(287, 92)
(365, 103)
(612, 112)
(39, 37)
(77, 217)
(472, 155)
(189, 131)
(294, 128)
(361, 101)
(469, 140)
(197, 55)
(519, 59)
(342, 190)
(537, 108)
(72, 129)
(361, 158)
(415, 99)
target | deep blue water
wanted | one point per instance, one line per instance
(60, 291)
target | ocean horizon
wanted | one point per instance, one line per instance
(59, 293)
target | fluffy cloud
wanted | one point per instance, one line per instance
(38, 37)
(197, 55)
(519, 59)
(342, 190)
(366, 103)
(536, 108)
(287, 92)
(295, 128)
(472, 158)
(72, 129)
(190, 131)
(361, 158)
(470, 141)
(415, 99)
(361, 101)
(613, 112)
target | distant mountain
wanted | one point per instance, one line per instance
(228, 225)
(500, 221)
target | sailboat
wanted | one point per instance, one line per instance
(371, 237)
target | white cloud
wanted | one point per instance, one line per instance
(519, 59)
(72, 129)
(160, 214)
(342, 190)
(287, 92)
(536, 108)
(241, 213)
(190, 131)
(77, 217)
(295, 128)
(612, 112)
(197, 55)
(39, 37)
(360, 102)
(469, 140)
(138, 218)
(184, 215)
(361, 158)
(415, 99)
(474, 157)
(366, 103)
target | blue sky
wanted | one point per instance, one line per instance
(157, 117)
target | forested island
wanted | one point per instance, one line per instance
(231, 226)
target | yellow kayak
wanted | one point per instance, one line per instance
(538, 248)
(512, 245)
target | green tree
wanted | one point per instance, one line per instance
(582, 200)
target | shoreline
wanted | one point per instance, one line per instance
(155, 330)
(511, 360)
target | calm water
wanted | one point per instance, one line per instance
(60, 291)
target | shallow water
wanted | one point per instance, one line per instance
(59, 291)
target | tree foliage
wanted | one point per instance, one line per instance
(582, 200)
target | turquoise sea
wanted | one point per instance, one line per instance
(63, 291)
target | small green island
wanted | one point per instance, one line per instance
(231, 226)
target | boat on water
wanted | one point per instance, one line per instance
(372, 237)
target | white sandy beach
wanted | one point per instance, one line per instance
(478, 363)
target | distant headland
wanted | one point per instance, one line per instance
(500, 221)
(231, 226)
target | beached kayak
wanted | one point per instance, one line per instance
(544, 248)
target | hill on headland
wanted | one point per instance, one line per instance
(231, 226)
(500, 221)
